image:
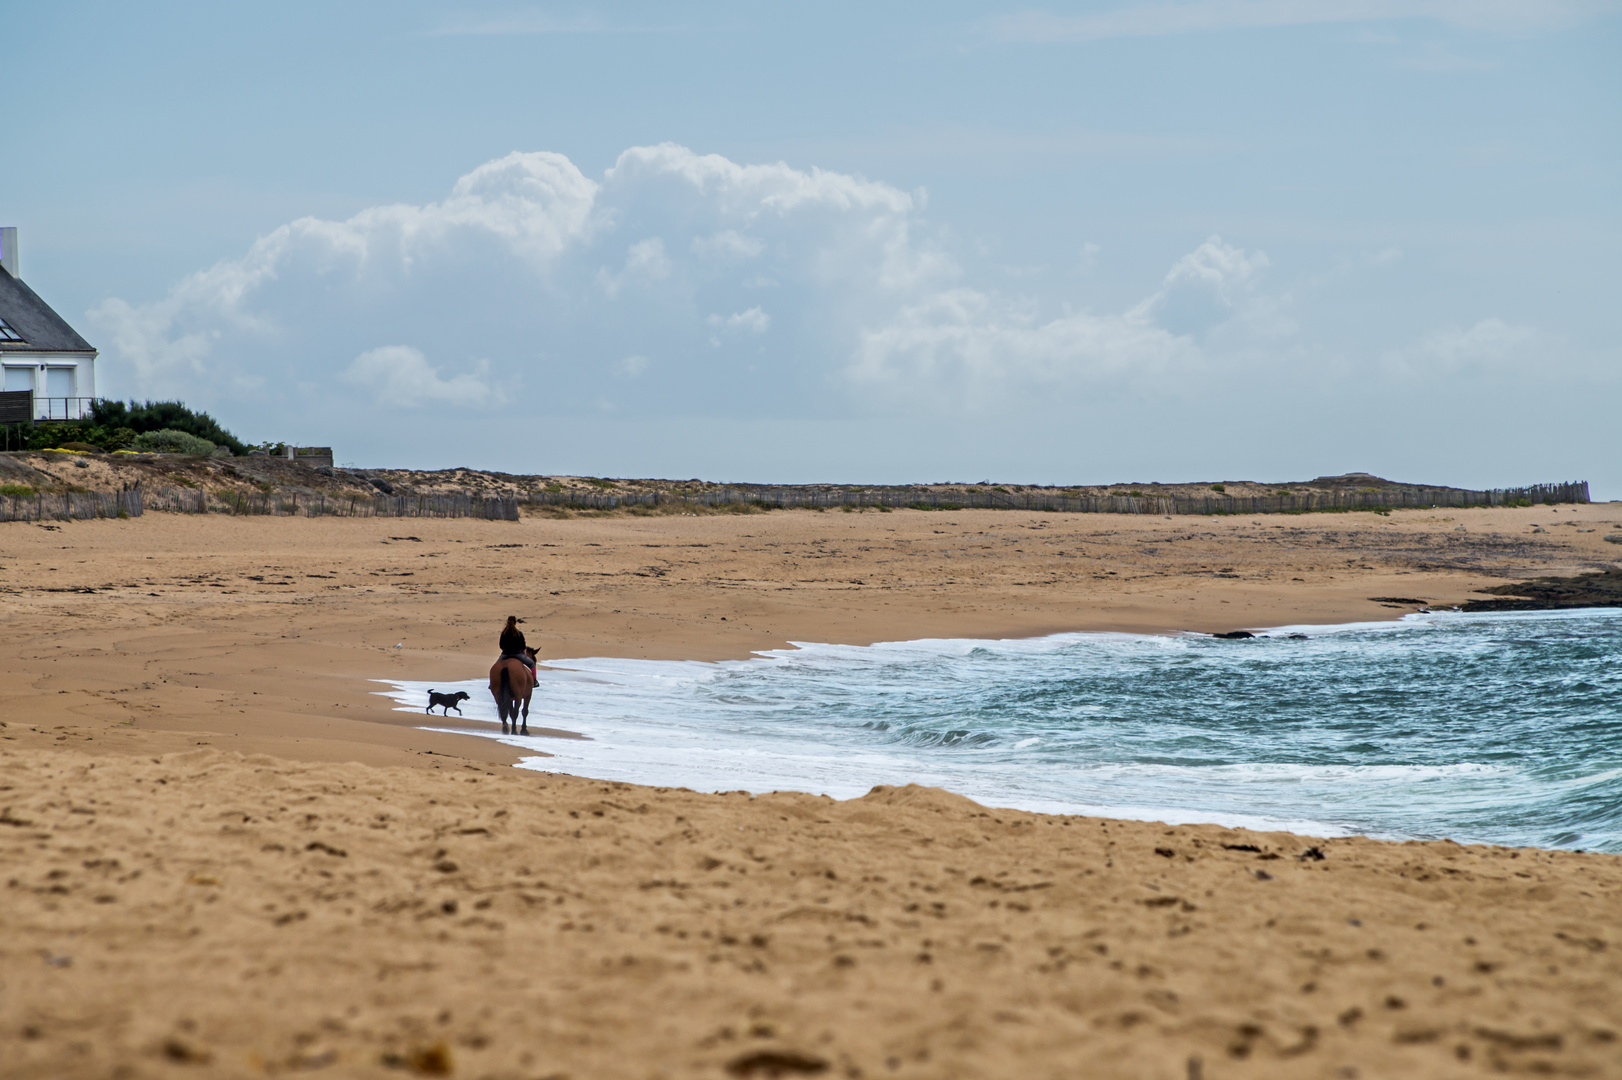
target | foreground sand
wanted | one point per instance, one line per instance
(224, 855)
(209, 914)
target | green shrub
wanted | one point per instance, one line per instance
(16, 491)
(154, 416)
(1219, 488)
(171, 441)
(77, 435)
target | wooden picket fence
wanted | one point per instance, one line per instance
(827, 498)
(293, 504)
(71, 506)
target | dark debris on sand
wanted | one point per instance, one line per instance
(1602, 589)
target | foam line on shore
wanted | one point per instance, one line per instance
(1321, 729)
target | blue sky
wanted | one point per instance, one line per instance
(1214, 239)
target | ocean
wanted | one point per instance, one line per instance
(1501, 728)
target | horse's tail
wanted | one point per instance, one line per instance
(506, 681)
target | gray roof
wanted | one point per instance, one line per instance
(41, 329)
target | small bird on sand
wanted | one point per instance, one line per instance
(400, 646)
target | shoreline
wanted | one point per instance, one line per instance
(258, 633)
(643, 718)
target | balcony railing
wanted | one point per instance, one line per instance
(62, 408)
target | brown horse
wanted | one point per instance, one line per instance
(511, 685)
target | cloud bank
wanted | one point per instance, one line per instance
(534, 300)
(1162, 19)
(536, 273)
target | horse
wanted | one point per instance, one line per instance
(511, 685)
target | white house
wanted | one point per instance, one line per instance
(41, 354)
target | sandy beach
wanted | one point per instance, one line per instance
(226, 855)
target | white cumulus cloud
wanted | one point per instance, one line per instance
(400, 375)
(728, 244)
(1159, 19)
(1489, 346)
(977, 349)
(1206, 287)
(653, 289)
(754, 320)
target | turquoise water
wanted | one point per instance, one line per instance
(1503, 728)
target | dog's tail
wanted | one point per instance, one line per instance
(430, 707)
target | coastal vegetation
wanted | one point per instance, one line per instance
(153, 426)
(172, 441)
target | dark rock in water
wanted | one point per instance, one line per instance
(1235, 635)
(1296, 637)
(1602, 589)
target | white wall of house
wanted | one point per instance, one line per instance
(61, 382)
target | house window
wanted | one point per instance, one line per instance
(7, 333)
(59, 382)
(19, 378)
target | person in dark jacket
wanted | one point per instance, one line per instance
(513, 644)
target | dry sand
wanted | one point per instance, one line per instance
(225, 856)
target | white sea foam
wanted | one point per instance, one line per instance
(1424, 726)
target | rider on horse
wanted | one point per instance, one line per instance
(510, 686)
(513, 646)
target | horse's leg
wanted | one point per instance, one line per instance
(507, 692)
(526, 710)
(499, 692)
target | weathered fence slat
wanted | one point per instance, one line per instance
(926, 498)
(179, 500)
(71, 506)
(86, 505)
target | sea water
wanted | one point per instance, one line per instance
(1500, 728)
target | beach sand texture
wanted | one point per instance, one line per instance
(321, 887)
(252, 915)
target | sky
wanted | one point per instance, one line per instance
(907, 242)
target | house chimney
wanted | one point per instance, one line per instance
(8, 251)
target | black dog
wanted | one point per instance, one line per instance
(450, 701)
